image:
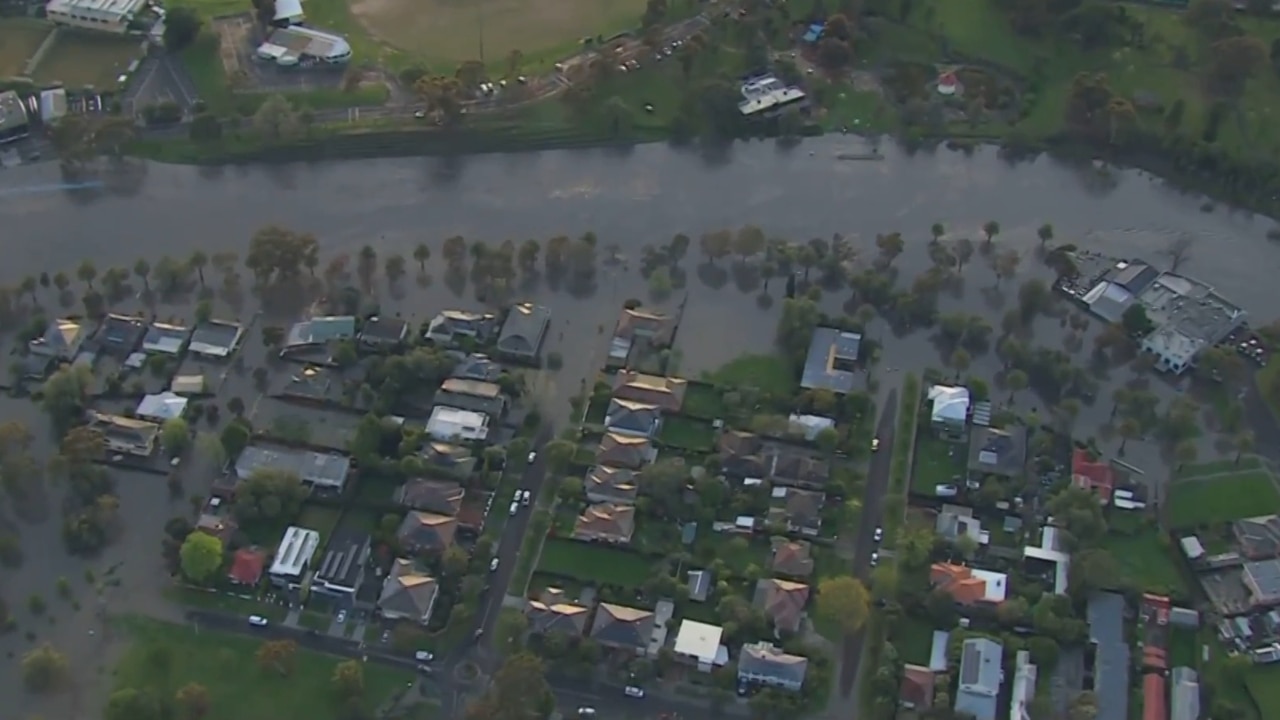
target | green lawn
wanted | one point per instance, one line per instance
(78, 59)
(702, 400)
(913, 638)
(1218, 467)
(1146, 561)
(1263, 682)
(1184, 647)
(165, 657)
(770, 373)
(736, 552)
(687, 433)
(937, 462)
(594, 563)
(320, 518)
(216, 600)
(19, 39)
(1222, 499)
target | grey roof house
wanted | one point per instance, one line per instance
(764, 664)
(625, 451)
(1111, 655)
(476, 367)
(384, 332)
(165, 339)
(450, 325)
(215, 338)
(320, 331)
(61, 339)
(474, 395)
(408, 594)
(553, 614)
(606, 484)
(981, 675)
(426, 531)
(119, 335)
(832, 360)
(632, 418)
(523, 330)
(438, 496)
(321, 470)
(998, 451)
(622, 627)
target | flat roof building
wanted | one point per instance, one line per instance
(450, 423)
(832, 360)
(111, 16)
(215, 338)
(1189, 317)
(293, 556)
(326, 471)
(1262, 577)
(1110, 674)
(699, 643)
(341, 571)
(981, 675)
(762, 94)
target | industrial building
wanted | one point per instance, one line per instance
(298, 45)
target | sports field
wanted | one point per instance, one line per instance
(19, 39)
(78, 59)
(455, 30)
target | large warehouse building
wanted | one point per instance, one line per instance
(111, 16)
(299, 45)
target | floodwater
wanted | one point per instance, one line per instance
(631, 199)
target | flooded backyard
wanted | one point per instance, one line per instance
(630, 199)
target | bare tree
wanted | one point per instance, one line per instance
(1178, 251)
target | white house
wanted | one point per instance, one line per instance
(293, 557)
(447, 423)
(699, 644)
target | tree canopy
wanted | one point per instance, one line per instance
(201, 556)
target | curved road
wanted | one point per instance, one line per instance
(877, 487)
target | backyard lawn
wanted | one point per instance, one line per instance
(321, 519)
(1143, 558)
(687, 433)
(1263, 682)
(770, 373)
(594, 563)
(79, 59)
(1221, 499)
(19, 39)
(165, 657)
(913, 638)
(1218, 467)
(702, 400)
(937, 462)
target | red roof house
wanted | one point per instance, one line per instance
(247, 565)
(1154, 701)
(1093, 475)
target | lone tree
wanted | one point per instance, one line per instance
(181, 27)
(44, 669)
(277, 655)
(348, 679)
(844, 600)
(192, 701)
(201, 556)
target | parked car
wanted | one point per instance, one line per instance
(879, 534)
(524, 497)
(516, 497)
(632, 691)
(533, 456)
(423, 656)
(586, 712)
(493, 564)
(515, 507)
(875, 559)
(946, 490)
(257, 621)
(875, 444)
(342, 616)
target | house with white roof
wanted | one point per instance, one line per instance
(698, 644)
(949, 411)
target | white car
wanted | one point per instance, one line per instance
(420, 114)
(586, 712)
(515, 508)
(875, 444)
(423, 656)
(524, 497)
(875, 559)
(879, 534)
(342, 616)
(533, 456)
(632, 691)
(257, 621)
(493, 564)
(946, 490)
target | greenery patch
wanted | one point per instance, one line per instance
(1222, 499)
(594, 563)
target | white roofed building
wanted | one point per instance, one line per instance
(298, 45)
(293, 557)
(112, 16)
(449, 423)
(699, 644)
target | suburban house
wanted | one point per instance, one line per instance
(523, 331)
(215, 338)
(551, 614)
(293, 556)
(782, 601)
(1093, 475)
(119, 335)
(472, 395)
(161, 406)
(109, 16)
(606, 522)
(319, 331)
(341, 572)
(453, 460)
(407, 594)
(611, 485)
(222, 526)
(247, 566)
(969, 585)
(699, 585)
(1185, 692)
(916, 690)
(808, 427)
(475, 366)
(956, 521)
(799, 511)
(981, 675)
(698, 644)
(949, 411)
(443, 497)
(383, 333)
(832, 361)
(1050, 557)
(1258, 537)
(625, 451)
(792, 558)
(455, 424)
(637, 419)
(622, 628)
(745, 455)
(427, 531)
(763, 663)
(324, 471)
(127, 436)
(637, 327)
(1024, 687)
(452, 325)
(998, 451)
(740, 454)
(61, 340)
(165, 339)
(664, 392)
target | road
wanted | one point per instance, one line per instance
(877, 488)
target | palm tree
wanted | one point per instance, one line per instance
(422, 253)
(142, 269)
(28, 287)
(990, 229)
(87, 272)
(1016, 380)
(959, 362)
(1045, 233)
(455, 251)
(198, 261)
(937, 231)
(61, 281)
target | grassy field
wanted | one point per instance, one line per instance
(913, 638)
(937, 462)
(1222, 499)
(1218, 467)
(224, 602)
(1263, 683)
(702, 400)
(321, 519)
(770, 373)
(687, 433)
(165, 657)
(78, 59)
(1146, 561)
(594, 563)
(19, 39)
